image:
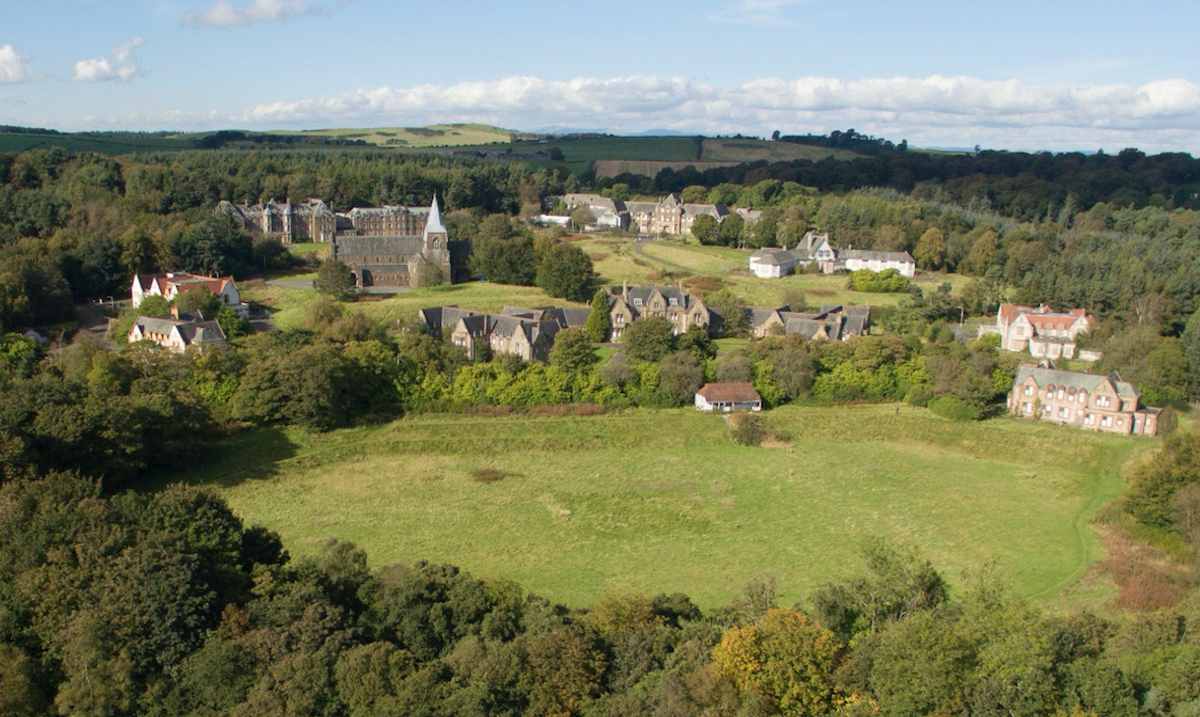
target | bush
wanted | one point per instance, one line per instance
(747, 428)
(919, 395)
(888, 281)
(955, 409)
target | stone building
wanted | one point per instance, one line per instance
(402, 260)
(526, 333)
(291, 222)
(178, 332)
(633, 303)
(1088, 401)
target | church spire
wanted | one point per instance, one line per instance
(434, 225)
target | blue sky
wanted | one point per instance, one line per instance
(1015, 75)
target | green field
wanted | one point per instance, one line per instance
(663, 501)
(103, 143)
(617, 259)
(580, 153)
(287, 306)
(438, 135)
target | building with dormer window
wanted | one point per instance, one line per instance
(1088, 401)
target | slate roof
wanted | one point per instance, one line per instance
(363, 246)
(192, 331)
(1078, 381)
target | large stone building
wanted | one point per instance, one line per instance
(633, 303)
(402, 260)
(516, 331)
(668, 216)
(315, 221)
(290, 221)
(833, 322)
(1092, 402)
(1042, 332)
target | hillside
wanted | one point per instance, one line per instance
(438, 135)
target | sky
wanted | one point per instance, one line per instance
(1059, 75)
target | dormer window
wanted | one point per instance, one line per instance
(637, 302)
(674, 302)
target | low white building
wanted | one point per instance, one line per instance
(856, 259)
(727, 397)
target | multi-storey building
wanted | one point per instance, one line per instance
(292, 222)
(1098, 403)
(1041, 331)
(403, 260)
(633, 303)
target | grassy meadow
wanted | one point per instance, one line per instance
(577, 507)
(618, 259)
(438, 135)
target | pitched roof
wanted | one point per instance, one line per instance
(1079, 381)
(434, 224)
(729, 393)
(361, 246)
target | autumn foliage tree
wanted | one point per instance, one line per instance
(787, 658)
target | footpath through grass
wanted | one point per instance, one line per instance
(577, 507)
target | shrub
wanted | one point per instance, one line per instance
(888, 281)
(919, 395)
(955, 409)
(747, 428)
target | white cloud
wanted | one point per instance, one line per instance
(227, 14)
(929, 111)
(755, 12)
(14, 67)
(123, 66)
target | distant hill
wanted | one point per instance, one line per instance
(20, 139)
(609, 155)
(438, 135)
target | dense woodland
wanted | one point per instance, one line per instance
(115, 602)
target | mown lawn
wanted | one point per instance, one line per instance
(287, 306)
(617, 259)
(663, 501)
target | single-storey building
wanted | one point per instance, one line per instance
(727, 397)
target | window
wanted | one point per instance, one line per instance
(1103, 401)
(620, 318)
(1089, 419)
(1027, 407)
(637, 302)
(1106, 421)
(1060, 394)
(674, 302)
(1029, 390)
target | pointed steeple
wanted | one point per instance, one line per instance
(434, 225)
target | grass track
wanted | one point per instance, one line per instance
(662, 501)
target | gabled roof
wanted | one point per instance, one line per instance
(729, 393)
(1078, 381)
(359, 246)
